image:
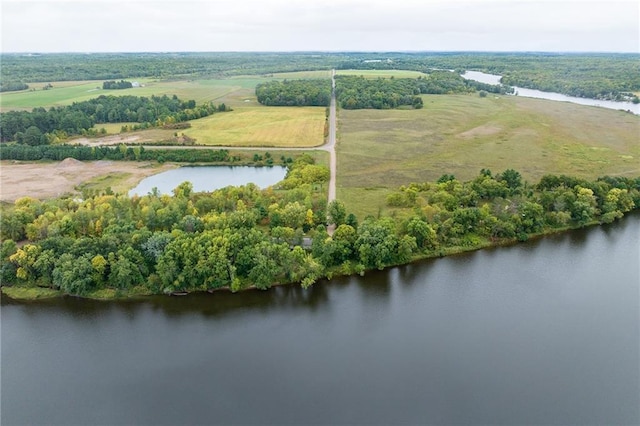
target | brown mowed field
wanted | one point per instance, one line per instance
(380, 150)
(47, 180)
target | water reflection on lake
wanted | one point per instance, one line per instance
(209, 178)
(545, 332)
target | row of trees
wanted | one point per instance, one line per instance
(42, 126)
(309, 92)
(358, 92)
(238, 237)
(12, 86)
(114, 153)
(116, 85)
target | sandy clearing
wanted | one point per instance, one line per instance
(47, 180)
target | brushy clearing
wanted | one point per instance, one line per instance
(462, 134)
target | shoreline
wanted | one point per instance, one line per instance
(19, 293)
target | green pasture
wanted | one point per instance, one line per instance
(261, 126)
(64, 93)
(380, 150)
(235, 91)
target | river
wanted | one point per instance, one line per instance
(545, 332)
(531, 93)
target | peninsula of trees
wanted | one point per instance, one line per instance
(240, 237)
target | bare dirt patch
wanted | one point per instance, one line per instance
(47, 180)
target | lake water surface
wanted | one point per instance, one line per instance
(545, 332)
(531, 93)
(209, 178)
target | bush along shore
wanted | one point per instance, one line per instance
(236, 238)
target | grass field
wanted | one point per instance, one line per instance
(379, 150)
(65, 93)
(261, 126)
(382, 73)
(232, 90)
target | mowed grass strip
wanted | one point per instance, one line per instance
(284, 127)
(461, 134)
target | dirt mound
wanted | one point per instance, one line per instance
(68, 163)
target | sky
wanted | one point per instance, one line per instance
(313, 25)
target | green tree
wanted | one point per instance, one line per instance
(336, 212)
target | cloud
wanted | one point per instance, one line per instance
(162, 25)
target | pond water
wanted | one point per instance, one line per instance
(209, 178)
(531, 93)
(545, 332)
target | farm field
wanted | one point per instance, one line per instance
(261, 126)
(379, 150)
(232, 90)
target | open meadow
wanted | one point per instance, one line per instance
(380, 150)
(261, 126)
(232, 90)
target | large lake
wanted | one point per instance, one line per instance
(545, 332)
(209, 178)
(531, 93)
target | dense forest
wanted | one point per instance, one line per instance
(42, 126)
(358, 92)
(608, 75)
(238, 237)
(309, 92)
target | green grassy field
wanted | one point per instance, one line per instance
(382, 73)
(379, 150)
(261, 126)
(232, 90)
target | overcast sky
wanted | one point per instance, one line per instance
(327, 25)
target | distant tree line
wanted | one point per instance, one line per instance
(12, 86)
(610, 75)
(42, 126)
(356, 92)
(115, 85)
(308, 92)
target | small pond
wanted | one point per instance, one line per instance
(209, 178)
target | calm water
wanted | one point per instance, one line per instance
(531, 93)
(540, 333)
(209, 178)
